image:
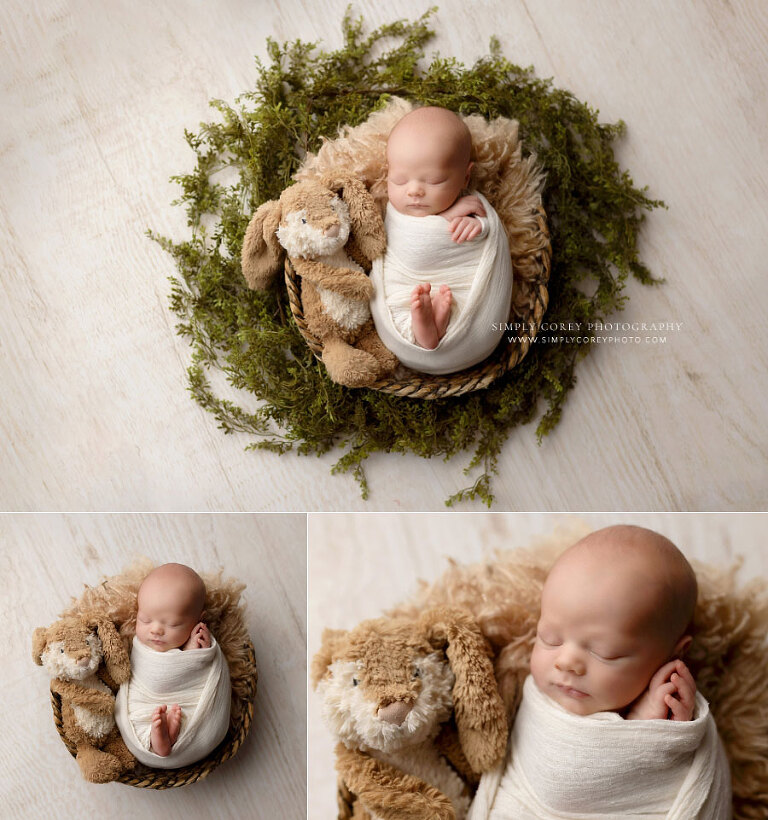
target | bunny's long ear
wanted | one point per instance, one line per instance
(38, 644)
(262, 253)
(480, 715)
(366, 223)
(332, 638)
(115, 657)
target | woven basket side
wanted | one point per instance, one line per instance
(146, 778)
(527, 316)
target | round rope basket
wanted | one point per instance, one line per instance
(512, 183)
(504, 358)
(144, 777)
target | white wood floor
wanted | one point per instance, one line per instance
(46, 559)
(360, 565)
(94, 412)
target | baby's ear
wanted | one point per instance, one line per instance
(682, 646)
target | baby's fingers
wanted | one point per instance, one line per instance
(685, 673)
(663, 674)
(685, 692)
(459, 229)
(678, 708)
(468, 232)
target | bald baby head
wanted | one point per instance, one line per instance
(177, 583)
(641, 568)
(438, 130)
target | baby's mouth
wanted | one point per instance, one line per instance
(571, 692)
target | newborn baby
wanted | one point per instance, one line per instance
(610, 724)
(447, 260)
(175, 708)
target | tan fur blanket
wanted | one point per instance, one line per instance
(116, 598)
(511, 183)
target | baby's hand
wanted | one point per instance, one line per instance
(464, 228)
(670, 695)
(200, 638)
(464, 206)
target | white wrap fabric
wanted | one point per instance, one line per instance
(562, 766)
(196, 679)
(479, 273)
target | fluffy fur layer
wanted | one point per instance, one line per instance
(389, 687)
(729, 657)
(115, 597)
(511, 183)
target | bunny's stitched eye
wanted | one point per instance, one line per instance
(417, 672)
(303, 221)
(355, 681)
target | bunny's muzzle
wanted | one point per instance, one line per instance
(395, 712)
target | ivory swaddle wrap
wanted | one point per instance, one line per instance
(196, 679)
(568, 767)
(479, 273)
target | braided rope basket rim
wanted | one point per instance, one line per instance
(146, 778)
(504, 358)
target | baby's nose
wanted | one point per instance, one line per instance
(569, 662)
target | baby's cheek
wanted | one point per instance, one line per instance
(537, 667)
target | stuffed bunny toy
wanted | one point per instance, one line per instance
(331, 229)
(87, 662)
(415, 707)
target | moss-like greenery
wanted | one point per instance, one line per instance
(305, 93)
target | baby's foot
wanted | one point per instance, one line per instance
(159, 741)
(441, 309)
(174, 722)
(200, 638)
(422, 317)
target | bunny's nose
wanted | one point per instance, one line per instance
(395, 712)
(332, 231)
(84, 661)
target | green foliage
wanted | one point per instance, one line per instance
(304, 94)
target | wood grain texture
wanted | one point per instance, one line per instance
(95, 413)
(47, 558)
(360, 565)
